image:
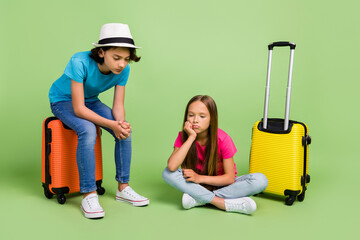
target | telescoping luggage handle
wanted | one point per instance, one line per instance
(288, 93)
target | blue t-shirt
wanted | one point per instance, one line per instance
(83, 69)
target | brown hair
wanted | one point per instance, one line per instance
(95, 54)
(211, 149)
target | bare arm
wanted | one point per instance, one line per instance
(80, 110)
(118, 109)
(179, 154)
(226, 179)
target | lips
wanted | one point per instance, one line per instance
(195, 126)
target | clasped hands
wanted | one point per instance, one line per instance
(122, 129)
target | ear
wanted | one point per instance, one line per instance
(101, 53)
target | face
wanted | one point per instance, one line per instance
(199, 116)
(115, 60)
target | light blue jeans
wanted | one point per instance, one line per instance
(85, 153)
(246, 185)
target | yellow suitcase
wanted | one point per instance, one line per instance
(280, 147)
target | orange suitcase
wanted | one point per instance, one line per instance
(59, 172)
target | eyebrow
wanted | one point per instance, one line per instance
(199, 112)
(115, 55)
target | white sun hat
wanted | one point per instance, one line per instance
(115, 34)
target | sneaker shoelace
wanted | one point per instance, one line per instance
(132, 193)
(241, 205)
(93, 202)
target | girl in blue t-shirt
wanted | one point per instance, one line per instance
(205, 154)
(74, 100)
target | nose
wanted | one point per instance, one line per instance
(195, 119)
(122, 64)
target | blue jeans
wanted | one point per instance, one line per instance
(85, 153)
(246, 185)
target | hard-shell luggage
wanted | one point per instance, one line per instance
(59, 172)
(280, 147)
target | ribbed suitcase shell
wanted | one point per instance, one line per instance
(281, 158)
(61, 150)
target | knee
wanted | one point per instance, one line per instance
(261, 181)
(87, 133)
(168, 175)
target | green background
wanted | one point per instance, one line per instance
(190, 47)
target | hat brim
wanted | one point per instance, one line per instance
(115, 45)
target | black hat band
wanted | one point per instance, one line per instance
(116, 40)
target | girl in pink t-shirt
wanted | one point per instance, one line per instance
(208, 172)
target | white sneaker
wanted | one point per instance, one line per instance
(241, 205)
(189, 202)
(130, 196)
(91, 207)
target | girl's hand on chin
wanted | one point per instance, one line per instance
(188, 129)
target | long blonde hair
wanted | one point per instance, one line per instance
(211, 149)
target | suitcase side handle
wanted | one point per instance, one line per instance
(281, 44)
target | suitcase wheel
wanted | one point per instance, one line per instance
(61, 198)
(47, 193)
(100, 190)
(301, 197)
(290, 200)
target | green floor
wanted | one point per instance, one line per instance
(326, 213)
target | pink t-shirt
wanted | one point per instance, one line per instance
(226, 149)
